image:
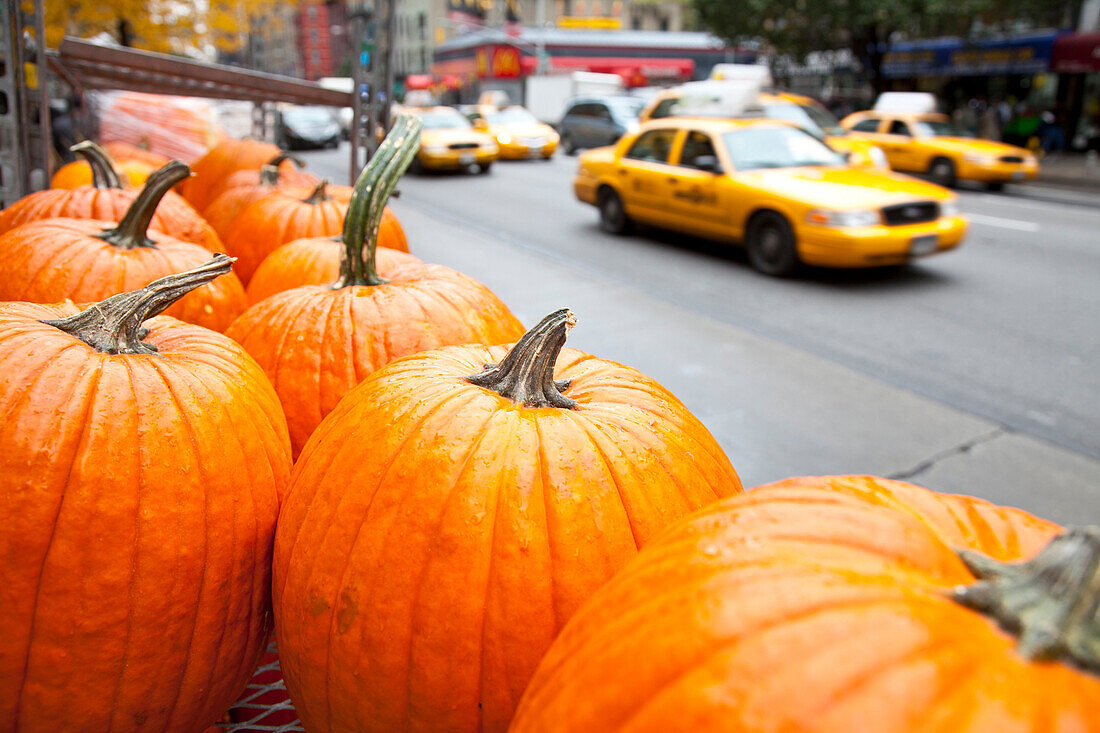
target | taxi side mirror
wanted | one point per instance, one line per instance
(708, 163)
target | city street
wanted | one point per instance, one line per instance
(974, 371)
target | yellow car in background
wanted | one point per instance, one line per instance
(802, 111)
(518, 133)
(928, 143)
(780, 191)
(449, 142)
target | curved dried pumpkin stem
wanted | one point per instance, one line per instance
(269, 172)
(526, 375)
(1051, 602)
(104, 174)
(113, 326)
(319, 194)
(131, 231)
(372, 190)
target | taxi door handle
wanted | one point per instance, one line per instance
(673, 180)
(622, 171)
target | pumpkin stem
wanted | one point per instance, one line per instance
(372, 189)
(526, 374)
(131, 231)
(269, 172)
(1051, 602)
(104, 174)
(318, 196)
(113, 326)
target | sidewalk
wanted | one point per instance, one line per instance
(776, 410)
(1070, 170)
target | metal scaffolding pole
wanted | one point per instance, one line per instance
(25, 136)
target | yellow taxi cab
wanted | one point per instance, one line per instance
(927, 142)
(802, 111)
(781, 192)
(518, 133)
(449, 142)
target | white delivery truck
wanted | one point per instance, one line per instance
(546, 95)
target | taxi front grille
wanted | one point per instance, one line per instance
(914, 213)
(463, 146)
(1011, 159)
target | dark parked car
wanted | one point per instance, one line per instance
(306, 127)
(590, 122)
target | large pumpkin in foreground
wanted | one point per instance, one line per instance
(448, 518)
(316, 342)
(140, 474)
(85, 260)
(833, 605)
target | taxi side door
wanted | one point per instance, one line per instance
(899, 145)
(698, 200)
(641, 175)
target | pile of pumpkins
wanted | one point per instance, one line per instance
(448, 523)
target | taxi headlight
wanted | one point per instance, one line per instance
(980, 159)
(435, 149)
(878, 157)
(949, 208)
(849, 218)
(504, 139)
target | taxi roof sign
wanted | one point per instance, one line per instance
(742, 72)
(719, 98)
(919, 103)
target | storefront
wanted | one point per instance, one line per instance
(492, 59)
(1077, 61)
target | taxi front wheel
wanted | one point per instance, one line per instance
(770, 244)
(942, 172)
(613, 218)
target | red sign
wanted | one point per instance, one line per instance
(1076, 53)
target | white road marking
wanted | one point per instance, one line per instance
(996, 221)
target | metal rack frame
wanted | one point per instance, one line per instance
(24, 102)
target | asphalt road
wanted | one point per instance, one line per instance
(1006, 328)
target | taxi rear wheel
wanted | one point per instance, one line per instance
(613, 218)
(770, 244)
(567, 145)
(942, 172)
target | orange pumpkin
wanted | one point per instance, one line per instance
(141, 466)
(214, 168)
(828, 604)
(448, 518)
(315, 261)
(79, 173)
(317, 342)
(86, 260)
(283, 216)
(247, 186)
(106, 198)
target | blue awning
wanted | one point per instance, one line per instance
(1023, 54)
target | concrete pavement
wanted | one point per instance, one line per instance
(778, 411)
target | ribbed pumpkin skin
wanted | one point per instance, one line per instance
(315, 343)
(437, 535)
(140, 495)
(315, 261)
(224, 159)
(243, 188)
(173, 216)
(272, 221)
(54, 260)
(813, 604)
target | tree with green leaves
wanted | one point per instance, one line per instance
(797, 27)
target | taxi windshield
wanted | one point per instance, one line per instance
(813, 120)
(443, 120)
(937, 128)
(777, 147)
(512, 115)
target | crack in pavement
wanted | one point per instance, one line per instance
(943, 455)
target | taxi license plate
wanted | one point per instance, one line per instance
(467, 159)
(1017, 175)
(923, 245)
